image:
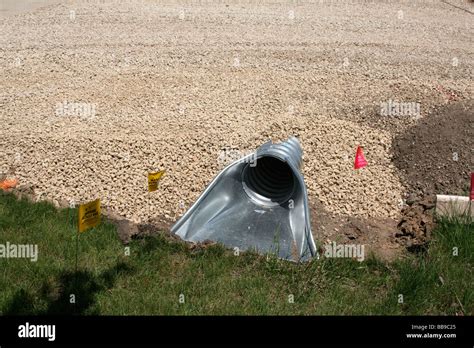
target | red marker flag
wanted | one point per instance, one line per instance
(471, 196)
(360, 161)
(8, 183)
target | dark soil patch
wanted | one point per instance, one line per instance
(436, 155)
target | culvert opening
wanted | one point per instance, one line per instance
(271, 181)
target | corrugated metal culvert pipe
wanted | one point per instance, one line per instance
(257, 203)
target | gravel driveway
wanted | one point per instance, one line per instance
(94, 94)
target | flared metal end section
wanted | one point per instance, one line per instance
(257, 203)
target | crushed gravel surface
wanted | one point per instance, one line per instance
(96, 94)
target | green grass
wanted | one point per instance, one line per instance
(215, 281)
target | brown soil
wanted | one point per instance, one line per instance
(414, 229)
(434, 157)
(426, 153)
(376, 234)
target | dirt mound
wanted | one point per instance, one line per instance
(416, 224)
(435, 156)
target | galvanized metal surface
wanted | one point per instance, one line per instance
(258, 202)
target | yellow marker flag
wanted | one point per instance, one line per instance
(153, 179)
(89, 215)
